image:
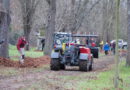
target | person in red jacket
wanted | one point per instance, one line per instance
(20, 47)
(93, 44)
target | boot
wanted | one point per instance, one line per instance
(21, 61)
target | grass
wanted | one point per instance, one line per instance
(14, 54)
(106, 79)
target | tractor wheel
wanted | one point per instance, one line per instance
(62, 66)
(55, 64)
(91, 65)
(83, 65)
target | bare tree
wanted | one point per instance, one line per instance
(50, 27)
(4, 26)
(128, 34)
(28, 11)
(77, 14)
(108, 20)
(73, 20)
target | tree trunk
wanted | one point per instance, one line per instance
(128, 34)
(116, 80)
(27, 31)
(27, 27)
(104, 35)
(4, 28)
(50, 28)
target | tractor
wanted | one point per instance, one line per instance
(67, 52)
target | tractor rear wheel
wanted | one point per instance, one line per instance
(83, 65)
(62, 66)
(55, 64)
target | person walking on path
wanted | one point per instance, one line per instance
(114, 47)
(20, 47)
(106, 48)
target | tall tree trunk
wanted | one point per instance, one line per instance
(116, 81)
(27, 23)
(128, 34)
(4, 28)
(27, 31)
(104, 35)
(51, 27)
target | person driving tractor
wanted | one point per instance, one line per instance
(20, 47)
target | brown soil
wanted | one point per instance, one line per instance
(51, 80)
(29, 62)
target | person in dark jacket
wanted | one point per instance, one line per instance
(43, 43)
(114, 47)
(20, 47)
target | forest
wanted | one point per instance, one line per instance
(64, 44)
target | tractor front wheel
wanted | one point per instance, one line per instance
(55, 64)
(83, 65)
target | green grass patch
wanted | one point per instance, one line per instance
(105, 80)
(14, 54)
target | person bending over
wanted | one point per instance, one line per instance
(20, 47)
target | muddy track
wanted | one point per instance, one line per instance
(52, 80)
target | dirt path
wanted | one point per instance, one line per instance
(54, 80)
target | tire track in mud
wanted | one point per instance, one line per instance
(103, 63)
(52, 80)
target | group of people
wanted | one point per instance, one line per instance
(22, 42)
(107, 47)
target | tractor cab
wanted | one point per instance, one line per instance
(60, 39)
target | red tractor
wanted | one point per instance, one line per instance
(68, 52)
